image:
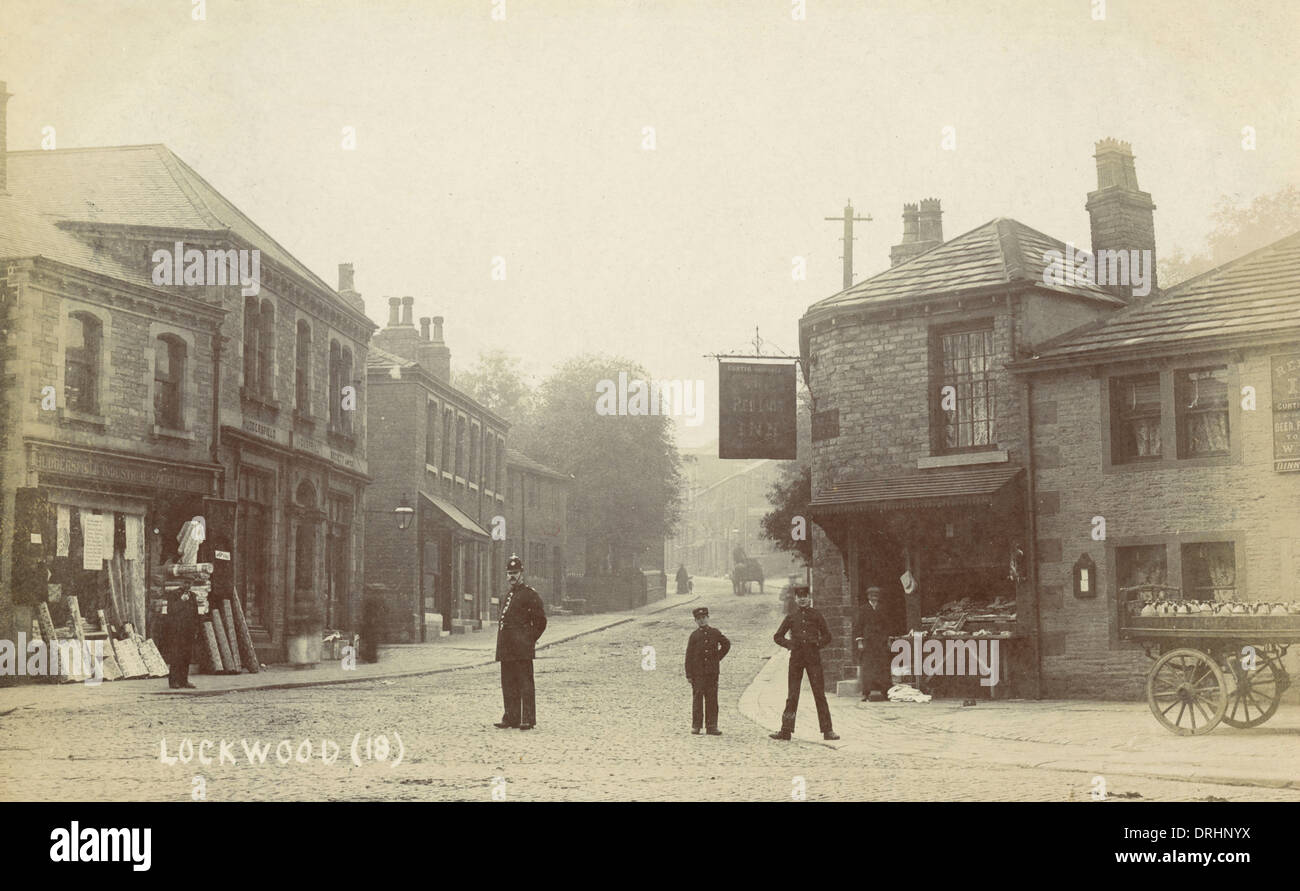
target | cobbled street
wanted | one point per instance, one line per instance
(609, 729)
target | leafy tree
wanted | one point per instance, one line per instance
(1238, 230)
(497, 381)
(627, 475)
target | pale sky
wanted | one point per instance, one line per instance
(523, 139)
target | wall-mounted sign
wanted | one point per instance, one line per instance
(756, 411)
(825, 424)
(1286, 413)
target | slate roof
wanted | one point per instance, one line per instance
(377, 358)
(1000, 252)
(1253, 296)
(519, 459)
(941, 488)
(134, 185)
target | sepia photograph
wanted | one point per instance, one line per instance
(879, 403)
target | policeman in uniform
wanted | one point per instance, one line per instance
(808, 633)
(704, 650)
(523, 619)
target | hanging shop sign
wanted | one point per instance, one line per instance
(756, 411)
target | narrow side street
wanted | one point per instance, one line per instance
(609, 729)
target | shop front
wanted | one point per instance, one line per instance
(92, 523)
(947, 550)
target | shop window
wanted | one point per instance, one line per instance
(302, 369)
(1201, 408)
(252, 551)
(1135, 418)
(965, 363)
(1209, 571)
(168, 381)
(81, 363)
(1139, 565)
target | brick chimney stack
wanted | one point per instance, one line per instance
(408, 307)
(922, 230)
(434, 355)
(1121, 214)
(929, 219)
(394, 307)
(4, 141)
(347, 288)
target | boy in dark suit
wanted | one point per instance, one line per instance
(704, 651)
(804, 632)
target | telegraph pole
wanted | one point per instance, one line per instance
(849, 219)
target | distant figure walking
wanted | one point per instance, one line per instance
(683, 580)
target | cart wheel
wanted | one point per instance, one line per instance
(1255, 695)
(1187, 692)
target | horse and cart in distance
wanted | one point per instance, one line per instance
(1218, 660)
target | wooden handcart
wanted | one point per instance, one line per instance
(1210, 667)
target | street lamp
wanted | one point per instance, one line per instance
(404, 513)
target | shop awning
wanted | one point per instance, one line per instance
(947, 488)
(455, 518)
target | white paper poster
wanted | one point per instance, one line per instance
(64, 530)
(92, 540)
(134, 536)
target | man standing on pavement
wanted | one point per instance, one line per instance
(523, 619)
(808, 633)
(704, 650)
(872, 631)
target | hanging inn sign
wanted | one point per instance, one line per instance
(756, 410)
(1286, 413)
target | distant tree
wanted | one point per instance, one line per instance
(1238, 230)
(497, 381)
(627, 491)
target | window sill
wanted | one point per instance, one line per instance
(170, 433)
(341, 441)
(1172, 463)
(429, 468)
(248, 395)
(68, 415)
(961, 459)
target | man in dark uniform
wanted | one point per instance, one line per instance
(872, 631)
(704, 650)
(808, 633)
(683, 579)
(523, 619)
(181, 625)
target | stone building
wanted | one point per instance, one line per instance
(1177, 423)
(445, 455)
(537, 507)
(140, 398)
(922, 431)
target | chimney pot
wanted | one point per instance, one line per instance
(408, 307)
(910, 224)
(424, 328)
(930, 221)
(1121, 214)
(345, 277)
(394, 305)
(437, 329)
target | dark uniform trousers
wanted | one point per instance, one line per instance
(806, 659)
(182, 624)
(518, 692)
(704, 702)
